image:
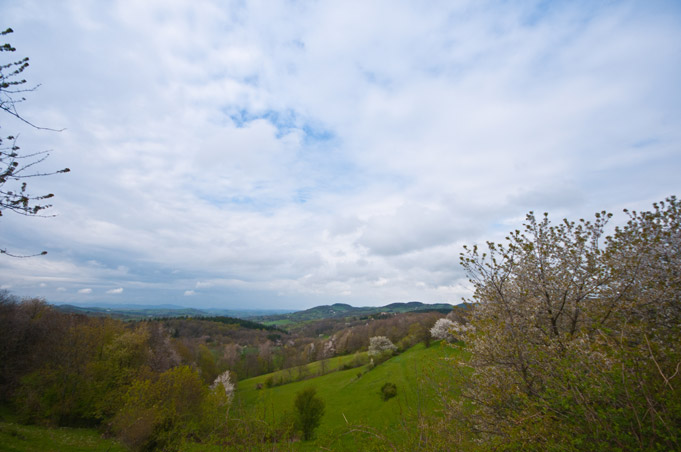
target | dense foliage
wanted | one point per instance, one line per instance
(576, 342)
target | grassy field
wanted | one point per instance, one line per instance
(31, 438)
(308, 371)
(353, 400)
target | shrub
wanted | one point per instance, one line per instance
(388, 391)
(158, 414)
(309, 412)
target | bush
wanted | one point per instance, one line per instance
(159, 414)
(309, 412)
(388, 391)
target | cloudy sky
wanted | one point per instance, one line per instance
(286, 154)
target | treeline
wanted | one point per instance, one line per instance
(132, 380)
(248, 353)
(243, 323)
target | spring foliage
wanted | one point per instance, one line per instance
(576, 342)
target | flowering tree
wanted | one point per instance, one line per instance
(577, 334)
(441, 329)
(225, 380)
(449, 330)
(379, 345)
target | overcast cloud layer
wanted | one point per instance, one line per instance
(289, 154)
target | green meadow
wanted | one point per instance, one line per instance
(31, 438)
(354, 405)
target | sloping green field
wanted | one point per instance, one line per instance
(353, 400)
(31, 438)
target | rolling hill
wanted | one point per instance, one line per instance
(353, 400)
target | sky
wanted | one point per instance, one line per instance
(288, 154)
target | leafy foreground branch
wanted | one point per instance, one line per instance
(17, 167)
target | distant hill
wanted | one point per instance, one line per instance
(139, 312)
(341, 310)
(334, 311)
(132, 312)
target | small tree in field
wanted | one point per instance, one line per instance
(309, 412)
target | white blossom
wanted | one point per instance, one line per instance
(225, 380)
(380, 344)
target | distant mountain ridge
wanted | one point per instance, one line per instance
(137, 312)
(336, 310)
(340, 310)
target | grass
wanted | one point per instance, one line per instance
(31, 438)
(307, 371)
(353, 399)
(279, 323)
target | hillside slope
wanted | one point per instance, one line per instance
(353, 399)
(341, 310)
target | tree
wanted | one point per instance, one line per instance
(441, 329)
(576, 334)
(224, 380)
(309, 411)
(379, 345)
(159, 413)
(15, 167)
(449, 330)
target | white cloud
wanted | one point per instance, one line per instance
(189, 293)
(85, 291)
(321, 149)
(115, 291)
